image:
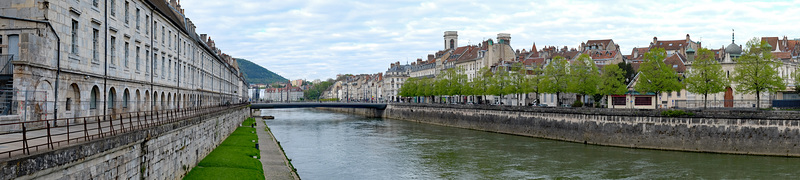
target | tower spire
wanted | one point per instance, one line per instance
(733, 33)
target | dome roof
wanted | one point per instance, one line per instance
(733, 49)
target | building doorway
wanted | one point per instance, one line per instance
(728, 97)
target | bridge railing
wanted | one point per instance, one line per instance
(33, 136)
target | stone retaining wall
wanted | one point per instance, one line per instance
(165, 152)
(757, 132)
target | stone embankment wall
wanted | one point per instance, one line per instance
(775, 133)
(368, 112)
(164, 152)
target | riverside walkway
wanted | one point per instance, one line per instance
(273, 159)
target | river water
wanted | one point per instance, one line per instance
(325, 145)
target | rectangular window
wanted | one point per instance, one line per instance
(112, 4)
(643, 101)
(113, 49)
(146, 60)
(75, 37)
(155, 63)
(95, 3)
(137, 18)
(13, 46)
(169, 35)
(169, 66)
(155, 32)
(127, 13)
(147, 24)
(68, 106)
(126, 54)
(137, 58)
(162, 35)
(618, 101)
(95, 45)
(163, 64)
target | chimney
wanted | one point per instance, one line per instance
(430, 57)
(655, 40)
(173, 3)
(687, 38)
(203, 37)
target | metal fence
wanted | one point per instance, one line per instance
(32, 136)
(6, 68)
(722, 103)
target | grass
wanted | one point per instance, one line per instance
(233, 158)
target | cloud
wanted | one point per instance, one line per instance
(317, 39)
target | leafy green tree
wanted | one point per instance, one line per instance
(500, 82)
(629, 72)
(535, 81)
(655, 76)
(706, 76)
(755, 71)
(556, 77)
(409, 88)
(316, 90)
(612, 81)
(520, 83)
(479, 86)
(450, 82)
(426, 88)
(797, 81)
(584, 76)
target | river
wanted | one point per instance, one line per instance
(326, 145)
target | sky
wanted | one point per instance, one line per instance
(319, 39)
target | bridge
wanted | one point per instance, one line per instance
(378, 106)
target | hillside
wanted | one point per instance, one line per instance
(256, 74)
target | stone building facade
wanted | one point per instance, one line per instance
(82, 58)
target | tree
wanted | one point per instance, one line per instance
(706, 76)
(500, 82)
(409, 88)
(755, 71)
(797, 81)
(584, 76)
(519, 81)
(535, 81)
(556, 77)
(629, 72)
(655, 76)
(480, 83)
(612, 81)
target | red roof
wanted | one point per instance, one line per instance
(671, 44)
(773, 41)
(676, 61)
(782, 55)
(602, 54)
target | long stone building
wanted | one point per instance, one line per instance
(74, 58)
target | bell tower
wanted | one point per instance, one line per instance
(450, 39)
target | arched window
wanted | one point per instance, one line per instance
(452, 44)
(125, 97)
(112, 98)
(93, 98)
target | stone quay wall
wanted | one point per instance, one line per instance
(168, 151)
(367, 112)
(737, 131)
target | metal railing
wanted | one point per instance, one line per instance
(746, 103)
(6, 68)
(39, 135)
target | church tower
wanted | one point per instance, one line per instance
(450, 39)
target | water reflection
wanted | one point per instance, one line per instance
(326, 145)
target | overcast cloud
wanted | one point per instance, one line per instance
(318, 39)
